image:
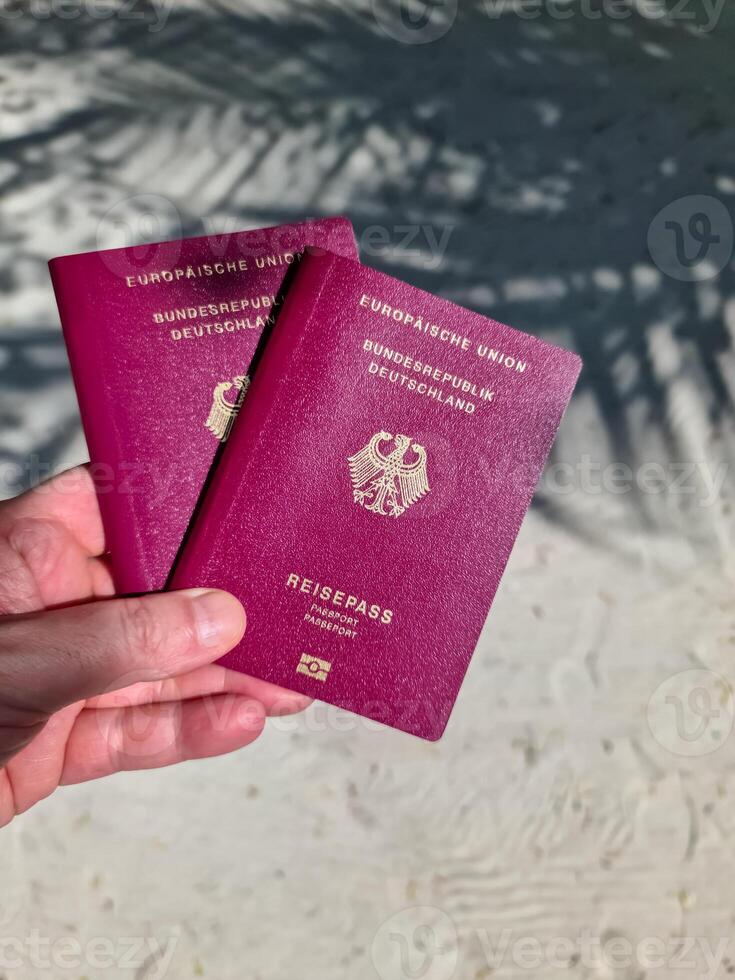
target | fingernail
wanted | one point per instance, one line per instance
(220, 618)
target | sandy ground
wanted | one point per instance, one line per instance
(584, 787)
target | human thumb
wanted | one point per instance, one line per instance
(52, 659)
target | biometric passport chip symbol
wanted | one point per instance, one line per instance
(387, 484)
(223, 413)
(313, 667)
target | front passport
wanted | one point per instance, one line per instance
(161, 339)
(373, 487)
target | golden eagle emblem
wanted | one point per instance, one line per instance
(384, 482)
(223, 413)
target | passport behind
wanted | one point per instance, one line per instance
(369, 497)
(160, 339)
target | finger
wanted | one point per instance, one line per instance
(100, 572)
(42, 564)
(52, 659)
(69, 498)
(208, 680)
(34, 772)
(106, 741)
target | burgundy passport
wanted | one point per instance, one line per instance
(368, 500)
(161, 339)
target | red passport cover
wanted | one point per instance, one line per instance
(160, 339)
(368, 500)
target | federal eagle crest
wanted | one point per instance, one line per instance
(384, 482)
(223, 413)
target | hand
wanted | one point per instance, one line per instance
(91, 685)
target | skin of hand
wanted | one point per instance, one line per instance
(91, 684)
